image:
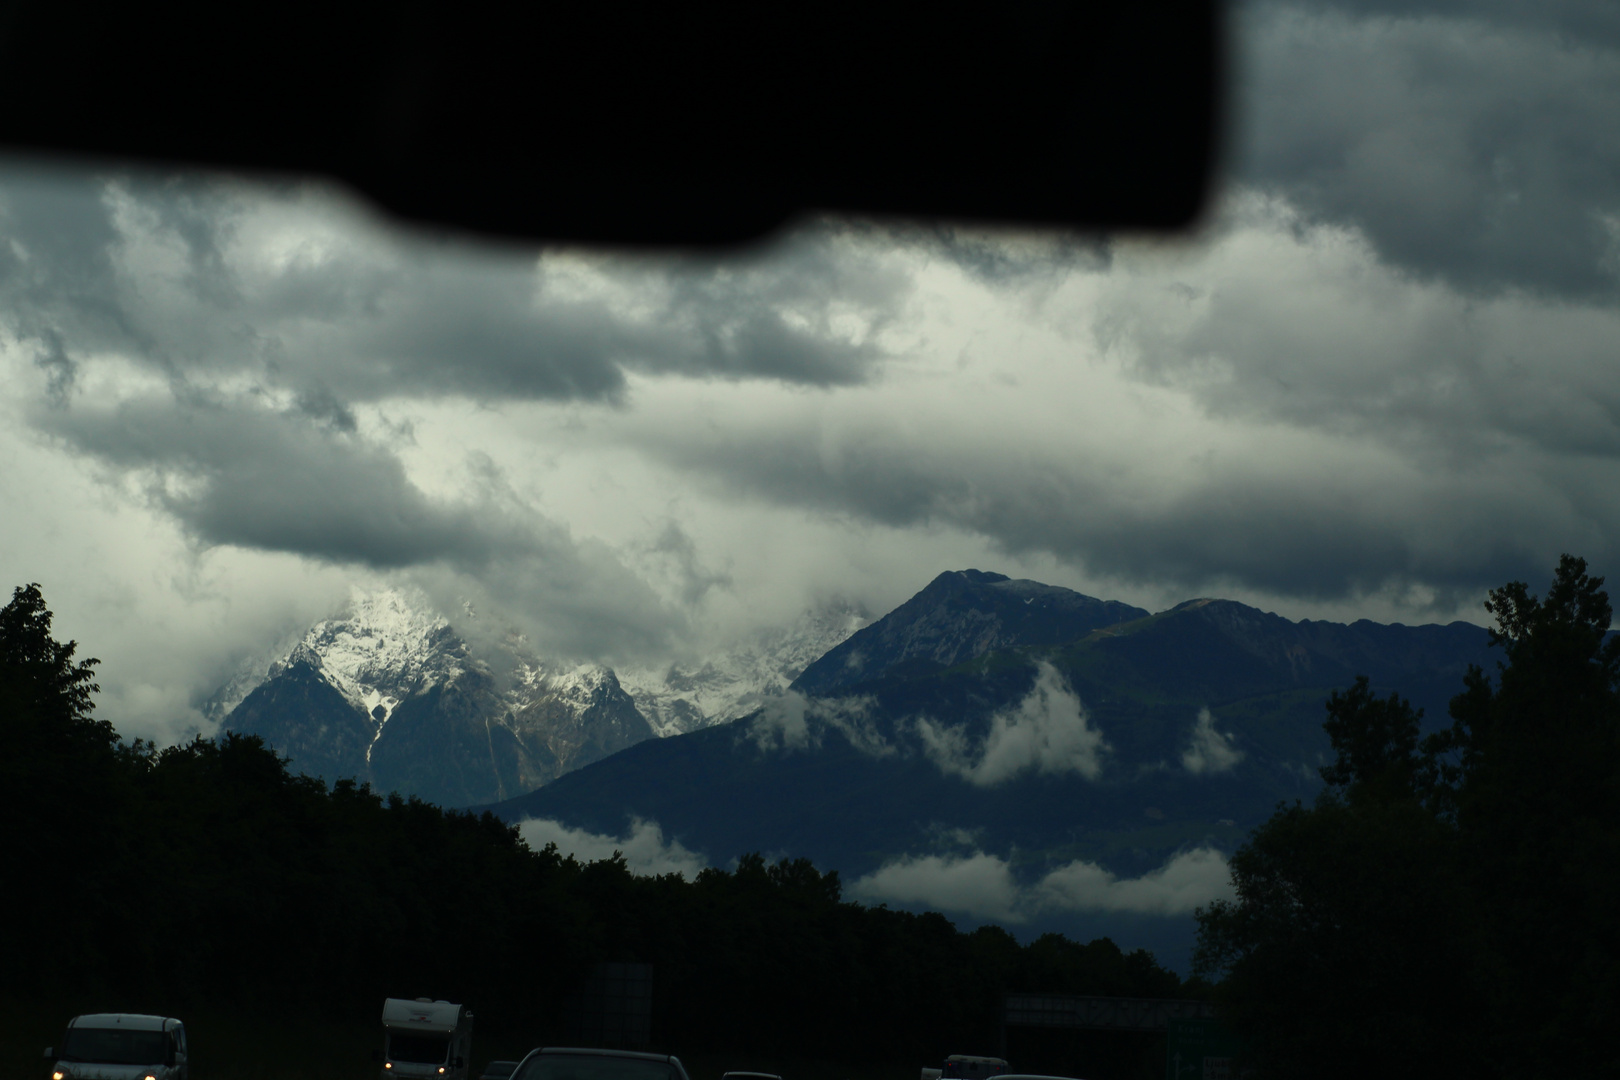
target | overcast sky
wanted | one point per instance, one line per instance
(1382, 378)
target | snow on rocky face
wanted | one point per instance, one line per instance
(385, 649)
(388, 692)
(374, 653)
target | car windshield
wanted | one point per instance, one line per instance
(964, 599)
(594, 1067)
(421, 1049)
(114, 1046)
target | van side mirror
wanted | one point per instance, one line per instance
(50, 1051)
(461, 1063)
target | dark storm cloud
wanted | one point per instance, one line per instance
(210, 278)
(1474, 142)
(1279, 320)
(775, 313)
(1593, 21)
(55, 272)
(999, 257)
(300, 480)
(280, 480)
(1292, 519)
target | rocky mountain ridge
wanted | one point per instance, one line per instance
(970, 715)
(388, 692)
(959, 615)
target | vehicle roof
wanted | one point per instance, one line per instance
(133, 1021)
(973, 1057)
(603, 1053)
(440, 1017)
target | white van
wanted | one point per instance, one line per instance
(120, 1046)
(425, 1040)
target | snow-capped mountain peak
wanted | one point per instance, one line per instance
(384, 647)
(379, 649)
(386, 691)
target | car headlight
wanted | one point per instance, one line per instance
(59, 1074)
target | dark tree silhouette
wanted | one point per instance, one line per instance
(45, 696)
(1446, 906)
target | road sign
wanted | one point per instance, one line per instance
(1200, 1049)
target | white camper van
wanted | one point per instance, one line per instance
(425, 1040)
(120, 1046)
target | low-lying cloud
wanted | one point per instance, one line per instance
(1187, 881)
(1046, 732)
(1209, 751)
(977, 884)
(644, 848)
(984, 886)
(794, 722)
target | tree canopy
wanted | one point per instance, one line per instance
(48, 696)
(1447, 903)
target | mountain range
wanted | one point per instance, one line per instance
(1010, 752)
(1000, 749)
(1002, 716)
(390, 693)
(985, 715)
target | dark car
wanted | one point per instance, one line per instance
(498, 1070)
(575, 1063)
(970, 1067)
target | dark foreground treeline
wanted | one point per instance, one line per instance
(1450, 906)
(205, 876)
